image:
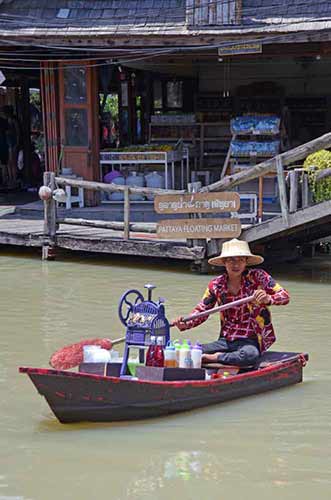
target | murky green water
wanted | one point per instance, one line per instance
(275, 445)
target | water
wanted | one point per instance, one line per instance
(275, 445)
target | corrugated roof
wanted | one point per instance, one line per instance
(159, 17)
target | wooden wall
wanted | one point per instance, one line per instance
(295, 75)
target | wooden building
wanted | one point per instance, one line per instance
(214, 59)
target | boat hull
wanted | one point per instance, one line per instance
(76, 397)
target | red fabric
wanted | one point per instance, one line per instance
(249, 320)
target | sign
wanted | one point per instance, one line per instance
(197, 203)
(240, 48)
(179, 229)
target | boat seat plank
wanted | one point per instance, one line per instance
(268, 358)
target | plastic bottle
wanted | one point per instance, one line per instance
(159, 353)
(196, 354)
(135, 180)
(154, 180)
(170, 356)
(151, 352)
(109, 178)
(178, 346)
(185, 360)
(120, 180)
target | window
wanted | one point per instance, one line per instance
(213, 12)
(157, 94)
(175, 94)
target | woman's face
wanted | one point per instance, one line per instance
(235, 266)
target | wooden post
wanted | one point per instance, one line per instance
(294, 186)
(201, 265)
(126, 233)
(305, 190)
(49, 244)
(282, 190)
(193, 187)
(26, 130)
(227, 159)
(260, 207)
(202, 144)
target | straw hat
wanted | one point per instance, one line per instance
(236, 248)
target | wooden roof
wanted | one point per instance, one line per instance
(99, 18)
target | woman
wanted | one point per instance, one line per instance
(246, 331)
(12, 135)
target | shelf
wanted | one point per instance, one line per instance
(116, 202)
(193, 124)
(206, 139)
(210, 137)
(221, 137)
(221, 153)
(256, 134)
(253, 156)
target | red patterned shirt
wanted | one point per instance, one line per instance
(249, 321)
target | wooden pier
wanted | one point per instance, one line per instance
(300, 222)
(20, 230)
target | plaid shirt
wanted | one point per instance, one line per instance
(249, 321)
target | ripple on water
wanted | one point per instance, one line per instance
(279, 440)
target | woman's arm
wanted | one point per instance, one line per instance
(207, 302)
(277, 295)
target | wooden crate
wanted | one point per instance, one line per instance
(155, 373)
(112, 369)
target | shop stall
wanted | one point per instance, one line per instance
(160, 166)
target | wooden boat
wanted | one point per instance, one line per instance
(77, 396)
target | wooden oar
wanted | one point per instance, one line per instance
(72, 355)
(235, 303)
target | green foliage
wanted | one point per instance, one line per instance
(110, 105)
(35, 98)
(320, 161)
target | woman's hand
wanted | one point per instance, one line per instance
(261, 297)
(181, 325)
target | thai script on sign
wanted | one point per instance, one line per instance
(240, 48)
(197, 203)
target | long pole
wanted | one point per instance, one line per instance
(235, 303)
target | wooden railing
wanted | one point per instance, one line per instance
(273, 165)
(51, 220)
(276, 165)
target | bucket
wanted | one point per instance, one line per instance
(88, 352)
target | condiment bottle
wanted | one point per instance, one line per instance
(185, 360)
(170, 355)
(159, 353)
(151, 352)
(178, 346)
(196, 354)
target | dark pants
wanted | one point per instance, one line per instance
(238, 352)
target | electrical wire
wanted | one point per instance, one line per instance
(87, 65)
(118, 61)
(143, 53)
(267, 39)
